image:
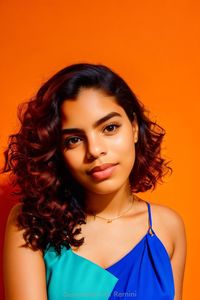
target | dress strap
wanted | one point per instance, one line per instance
(150, 230)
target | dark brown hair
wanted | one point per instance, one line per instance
(51, 199)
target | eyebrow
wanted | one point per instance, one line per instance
(96, 124)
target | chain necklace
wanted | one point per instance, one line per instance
(109, 220)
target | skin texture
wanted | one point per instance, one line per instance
(112, 141)
(96, 145)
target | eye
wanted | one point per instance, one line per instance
(111, 128)
(71, 142)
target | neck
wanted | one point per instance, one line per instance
(108, 205)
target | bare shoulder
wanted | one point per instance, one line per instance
(12, 217)
(23, 268)
(169, 219)
(14, 235)
(12, 232)
(165, 220)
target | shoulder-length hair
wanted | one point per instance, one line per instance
(51, 200)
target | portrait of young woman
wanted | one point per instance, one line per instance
(85, 149)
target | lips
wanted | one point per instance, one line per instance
(102, 172)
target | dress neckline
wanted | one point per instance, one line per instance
(120, 259)
(149, 232)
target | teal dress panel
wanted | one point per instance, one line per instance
(70, 276)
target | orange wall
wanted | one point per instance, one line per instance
(154, 45)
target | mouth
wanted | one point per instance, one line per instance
(103, 171)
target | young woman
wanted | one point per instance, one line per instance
(85, 148)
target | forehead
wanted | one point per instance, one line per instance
(89, 106)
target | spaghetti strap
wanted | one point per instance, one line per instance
(150, 230)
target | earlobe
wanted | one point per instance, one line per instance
(135, 132)
(135, 128)
(136, 137)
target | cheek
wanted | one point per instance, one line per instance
(124, 143)
(126, 150)
(72, 160)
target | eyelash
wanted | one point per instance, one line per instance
(112, 124)
(67, 144)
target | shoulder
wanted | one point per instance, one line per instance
(168, 217)
(164, 217)
(13, 214)
(13, 234)
(170, 225)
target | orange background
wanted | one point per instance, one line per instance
(154, 45)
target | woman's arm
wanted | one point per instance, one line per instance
(179, 255)
(24, 269)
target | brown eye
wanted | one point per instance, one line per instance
(111, 128)
(71, 142)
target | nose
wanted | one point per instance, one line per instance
(95, 147)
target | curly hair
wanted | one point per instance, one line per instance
(51, 199)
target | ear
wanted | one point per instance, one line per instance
(135, 128)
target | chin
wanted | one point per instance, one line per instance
(105, 187)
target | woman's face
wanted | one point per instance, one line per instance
(98, 141)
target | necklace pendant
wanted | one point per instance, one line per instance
(109, 221)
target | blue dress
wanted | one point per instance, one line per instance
(144, 273)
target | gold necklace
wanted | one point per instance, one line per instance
(109, 220)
